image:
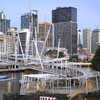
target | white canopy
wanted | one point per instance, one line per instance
(42, 76)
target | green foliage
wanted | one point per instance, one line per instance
(73, 58)
(96, 60)
(53, 54)
(61, 54)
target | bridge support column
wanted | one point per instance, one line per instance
(97, 83)
(70, 84)
(57, 83)
(66, 85)
(74, 83)
(79, 82)
(86, 85)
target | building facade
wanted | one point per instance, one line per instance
(30, 21)
(79, 40)
(45, 31)
(28, 46)
(65, 28)
(24, 41)
(87, 39)
(95, 39)
(64, 14)
(4, 23)
(7, 45)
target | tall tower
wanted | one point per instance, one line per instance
(95, 39)
(4, 23)
(65, 28)
(87, 39)
(79, 43)
(30, 21)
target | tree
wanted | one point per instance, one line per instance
(96, 60)
(53, 54)
(61, 55)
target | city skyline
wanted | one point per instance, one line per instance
(88, 11)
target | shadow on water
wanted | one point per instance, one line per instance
(36, 96)
(14, 87)
(89, 96)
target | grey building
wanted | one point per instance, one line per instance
(65, 28)
(30, 21)
(95, 39)
(23, 37)
(25, 45)
(4, 23)
(79, 42)
(65, 14)
(87, 39)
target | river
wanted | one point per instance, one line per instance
(13, 86)
(89, 96)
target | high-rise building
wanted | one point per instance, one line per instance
(79, 42)
(4, 23)
(24, 39)
(40, 45)
(95, 39)
(12, 31)
(45, 31)
(64, 14)
(65, 28)
(28, 46)
(87, 39)
(30, 21)
(7, 44)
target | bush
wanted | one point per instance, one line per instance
(96, 60)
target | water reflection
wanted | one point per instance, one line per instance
(89, 96)
(13, 86)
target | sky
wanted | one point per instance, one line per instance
(88, 10)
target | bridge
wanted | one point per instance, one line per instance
(56, 75)
(72, 77)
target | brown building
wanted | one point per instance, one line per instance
(44, 28)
